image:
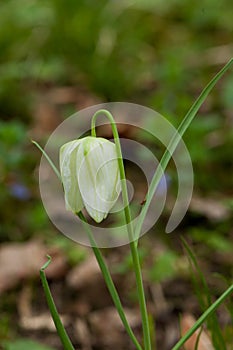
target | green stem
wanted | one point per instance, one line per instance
(108, 280)
(53, 310)
(203, 317)
(53, 166)
(133, 244)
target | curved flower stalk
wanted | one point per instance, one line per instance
(90, 176)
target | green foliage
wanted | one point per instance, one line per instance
(4, 327)
(73, 252)
(227, 93)
(12, 143)
(205, 298)
(24, 344)
(213, 239)
(155, 53)
(16, 162)
(164, 266)
(116, 48)
(126, 263)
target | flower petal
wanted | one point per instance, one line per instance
(98, 176)
(73, 197)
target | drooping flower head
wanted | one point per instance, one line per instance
(90, 176)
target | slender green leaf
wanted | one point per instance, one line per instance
(53, 310)
(203, 317)
(206, 302)
(198, 339)
(204, 295)
(53, 166)
(174, 142)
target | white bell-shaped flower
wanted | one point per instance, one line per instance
(90, 176)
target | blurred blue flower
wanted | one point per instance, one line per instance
(19, 191)
(163, 184)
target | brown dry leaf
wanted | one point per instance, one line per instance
(30, 321)
(46, 118)
(107, 327)
(187, 321)
(211, 208)
(19, 261)
(84, 274)
(82, 333)
(38, 322)
(47, 110)
(87, 279)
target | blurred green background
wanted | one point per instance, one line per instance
(57, 57)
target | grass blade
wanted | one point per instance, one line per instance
(53, 310)
(204, 296)
(53, 166)
(174, 142)
(203, 317)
